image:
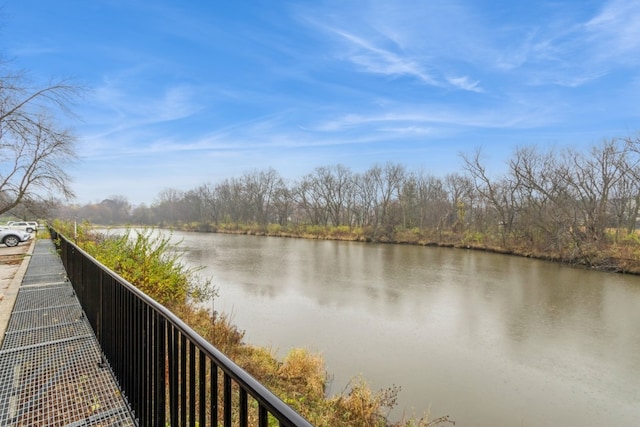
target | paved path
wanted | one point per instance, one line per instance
(50, 361)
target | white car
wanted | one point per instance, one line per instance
(28, 226)
(13, 237)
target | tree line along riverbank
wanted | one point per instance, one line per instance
(561, 204)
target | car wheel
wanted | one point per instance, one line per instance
(29, 230)
(11, 241)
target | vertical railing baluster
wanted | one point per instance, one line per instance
(202, 383)
(147, 366)
(130, 332)
(227, 399)
(103, 315)
(243, 403)
(160, 373)
(149, 363)
(183, 380)
(172, 352)
(192, 384)
(263, 416)
(130, 349)
(143, 378)
(214, 393)
(137, 347)
(120, 341)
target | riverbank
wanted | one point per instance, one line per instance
(488, 339)
(300, 379)
(619, 255)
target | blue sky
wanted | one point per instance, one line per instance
(183, 93)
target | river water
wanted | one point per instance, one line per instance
(488, 339)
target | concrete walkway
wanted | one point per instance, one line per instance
(50, 361)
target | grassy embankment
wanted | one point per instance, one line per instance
(300, 380)
(617, 253)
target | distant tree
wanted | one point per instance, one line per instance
(231, 201)
(327, 194)
(499, 194)
(386, 183)
(142, 214)
(310, 201)
(168, 206)
(261, 189)
(117, 209)
(34, 147)
(461, 194)
(199, 204)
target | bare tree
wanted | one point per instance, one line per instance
(387, 183)
(167, 205)
(595, 176)
(231, 199)
(460, 190)
(499, 194)
(261, 189)
(331, 188)
(310, 201)
(549, 215)
(283, 204)
(435, 207)
(633, 174)
(34, 147)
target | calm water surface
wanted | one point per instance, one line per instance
(487, 339)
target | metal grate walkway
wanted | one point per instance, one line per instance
(50, 361)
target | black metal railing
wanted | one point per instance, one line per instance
(169, 374)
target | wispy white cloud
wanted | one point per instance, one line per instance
(408, 130)
(113, 108)
(418, 41)
(573, 53)
(465, 83)
(614, 33)
(518, 52)
(382, 61)
(403, 40)
(423, 117)
(43, 48)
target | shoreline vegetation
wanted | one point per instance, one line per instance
(616, 254)
(149, 262)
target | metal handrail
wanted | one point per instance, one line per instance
(154, 354)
